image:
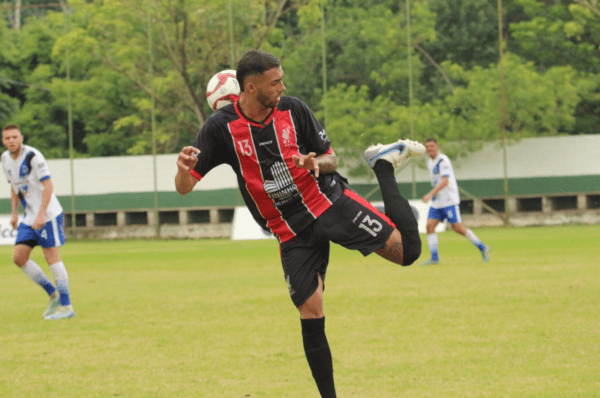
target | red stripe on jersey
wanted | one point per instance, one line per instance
(195, 174)
(251, 171)
(357, 198)
(315, 201)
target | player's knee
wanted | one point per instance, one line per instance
(411, 256)
(19, 260)
(313, 307)
(412, 248)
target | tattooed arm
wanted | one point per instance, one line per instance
(326, 163)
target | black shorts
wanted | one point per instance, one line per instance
(351, 222)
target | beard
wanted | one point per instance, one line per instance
(266, 101)
(16, 150)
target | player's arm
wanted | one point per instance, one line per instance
(444, 181)
(40, 219)
(186, 161)
(325, 163)
(14, 204)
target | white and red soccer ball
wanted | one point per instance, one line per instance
(222, 89)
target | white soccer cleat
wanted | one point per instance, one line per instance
(394, 153)
(62, 312)
(53, 304)
(430, 262)
(485, 254)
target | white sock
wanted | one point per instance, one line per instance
(62, 281)
(35, 273)
(432, 242)
(474, 239)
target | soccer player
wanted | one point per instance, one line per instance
(445, 202)
(286, 171)
(27, 172)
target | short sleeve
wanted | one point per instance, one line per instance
(208, 144)
(314, 134)
(445, 168)
(40, 167)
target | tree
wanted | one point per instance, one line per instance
(371, 53)
(187, 47)
(563, 33)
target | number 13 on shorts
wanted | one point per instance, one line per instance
(368, 224)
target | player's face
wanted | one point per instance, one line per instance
(12, 140)
(270, 87)
(432, 149)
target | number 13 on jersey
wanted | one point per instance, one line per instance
(244, 147)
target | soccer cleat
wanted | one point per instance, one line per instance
(62, 312)
(430, 262)
(53, 304)
(394, 153)
(485, 254)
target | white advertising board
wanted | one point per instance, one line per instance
(244, 227)
(7, 233)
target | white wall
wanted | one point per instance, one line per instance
(531, 157)
(120, 174)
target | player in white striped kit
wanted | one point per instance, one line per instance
(27, 172)
(445, 202)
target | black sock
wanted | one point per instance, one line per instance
(318, 355)
(399, 211)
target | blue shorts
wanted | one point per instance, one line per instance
(51, 235)
(450, 213)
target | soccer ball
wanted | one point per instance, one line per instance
(222, 89)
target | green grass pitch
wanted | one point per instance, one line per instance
(212, 318)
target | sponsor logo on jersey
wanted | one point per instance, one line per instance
(24, 170)
(281, 188)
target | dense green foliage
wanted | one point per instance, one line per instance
(118, 53)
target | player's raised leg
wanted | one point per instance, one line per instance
(383, 159)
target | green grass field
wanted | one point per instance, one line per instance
(212, 318)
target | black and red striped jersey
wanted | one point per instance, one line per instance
(281, 197)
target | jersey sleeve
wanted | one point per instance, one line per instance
(315, 138)
(445, 168)
(40, 167)
(209, 146)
